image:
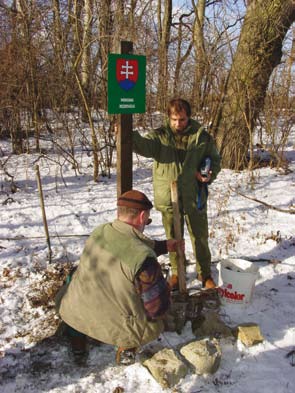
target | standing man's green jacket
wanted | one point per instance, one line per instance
(162, 146)
(178, 156)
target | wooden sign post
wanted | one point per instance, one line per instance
(124, 142)
(126, 95)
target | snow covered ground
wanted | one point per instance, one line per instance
(33, 360)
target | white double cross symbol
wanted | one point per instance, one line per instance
(127, 70)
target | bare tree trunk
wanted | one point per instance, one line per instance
(85, 58)
(119, 26)
(180, 59)
(163, 41)
(201, 60)
(79, 78)
(290, 63)
(58, 36)
(259, 52)
(76, 26)
(131, 18)
(19, 49)
(105, 30)
(26, 16)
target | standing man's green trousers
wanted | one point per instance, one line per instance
(197, 225)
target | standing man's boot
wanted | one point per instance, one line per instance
(173, 283)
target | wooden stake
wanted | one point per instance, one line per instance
(178, 236)
(43, 212)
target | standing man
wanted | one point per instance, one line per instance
(179, 149)
(118, 294)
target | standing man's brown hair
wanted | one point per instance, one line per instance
(178, 105)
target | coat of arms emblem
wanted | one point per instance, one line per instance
(127, 73)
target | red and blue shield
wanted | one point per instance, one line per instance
(127, 73)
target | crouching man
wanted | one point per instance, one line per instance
(118, 294)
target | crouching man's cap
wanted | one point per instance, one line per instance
(135, 199)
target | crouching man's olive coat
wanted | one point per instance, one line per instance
(101, 301)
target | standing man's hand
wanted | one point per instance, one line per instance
(203, 179)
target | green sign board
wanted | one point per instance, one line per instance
(126, 83)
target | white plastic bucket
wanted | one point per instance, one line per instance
(236, 281)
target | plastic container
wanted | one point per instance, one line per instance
(236, 281)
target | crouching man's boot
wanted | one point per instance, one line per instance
(78, 343)
(125, 356)
(79, 350)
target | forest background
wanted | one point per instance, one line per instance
(233, 60)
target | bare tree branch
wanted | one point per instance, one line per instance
(289, 211)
